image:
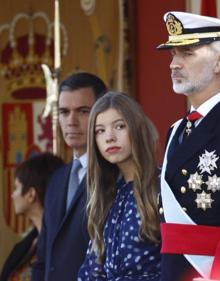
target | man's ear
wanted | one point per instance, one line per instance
(31, 195)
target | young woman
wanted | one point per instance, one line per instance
(31, 178)
(123, 222)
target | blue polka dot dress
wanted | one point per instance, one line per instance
(127, 257)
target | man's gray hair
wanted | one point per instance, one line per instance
(215, 46)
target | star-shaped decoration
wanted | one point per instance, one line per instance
(195, 181)
(207, 162)
(204, 200)
(213, 183)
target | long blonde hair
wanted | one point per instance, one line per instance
(102, 175)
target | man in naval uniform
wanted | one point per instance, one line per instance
(190, 179)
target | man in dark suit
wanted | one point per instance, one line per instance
(190, 179)
(63, 242)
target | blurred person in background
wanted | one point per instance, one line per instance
(31, 179)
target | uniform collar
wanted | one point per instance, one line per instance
(207, 105)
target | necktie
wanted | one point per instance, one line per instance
(190, 125)
(73, 182)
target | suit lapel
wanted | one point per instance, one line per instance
(201, 135)
(77, 196)
(60, 203)
(175, 140)
(79, 192)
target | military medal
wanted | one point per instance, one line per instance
(188, 129)
(204, 200)
(207, 162)
(191, 118)
(213, 183)
(195, 181)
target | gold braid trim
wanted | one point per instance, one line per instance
(176, 38)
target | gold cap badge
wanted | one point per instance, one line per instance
(174, 26)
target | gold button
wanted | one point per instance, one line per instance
(183, 189)
(184, 209)
(161, 210)
(184, 172)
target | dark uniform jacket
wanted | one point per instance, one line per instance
(197, 157)
(63, 242)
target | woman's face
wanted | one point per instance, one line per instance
(112, 137)
(21, 202)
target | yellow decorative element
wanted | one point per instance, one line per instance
(17, 135)
(23, 72)
(179, 43)
(183, 189)
(52, 95)
(184, 172)
(193, 36)
(22, 69)
(57, 57)
(174, 26)
(51, 106)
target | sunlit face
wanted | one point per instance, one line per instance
(112, 137)
(21, 203)
(74, 109)
(192, 68)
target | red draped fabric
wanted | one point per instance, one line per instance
(208, 8)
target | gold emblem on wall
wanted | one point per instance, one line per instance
(24, 132)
